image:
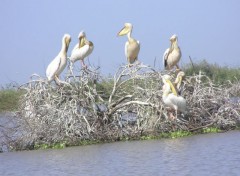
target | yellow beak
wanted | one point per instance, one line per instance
(82, 42)
(179, 82)
(67, 41)
(124, 31)
(172, 87)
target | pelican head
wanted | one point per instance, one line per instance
(82, 38)
(173, 38)
(67, 39)
(81, 34)
(126, 29)
(167, 81)
(179, 79)
(180, 74)
(166, 77)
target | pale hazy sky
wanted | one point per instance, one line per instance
(31, 32)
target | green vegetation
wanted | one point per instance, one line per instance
(105, 88)
(9, 99)
(218, 74)
(58, 145)
(177, 134)
(211, 130)
(64, 144)
(172, 135)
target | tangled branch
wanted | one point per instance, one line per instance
(78, 110)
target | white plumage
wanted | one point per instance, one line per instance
(132, 46)
(81, 50)
(172, 55)
(170, 97)
(58, 64)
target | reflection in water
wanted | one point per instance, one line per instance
(210, 154)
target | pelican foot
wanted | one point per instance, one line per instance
(130, 65)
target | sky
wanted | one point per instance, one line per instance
(31, 32)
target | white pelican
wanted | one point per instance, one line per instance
(132, 46)
(170, 97)
(81, 50)
(172, 55)
(58, 64)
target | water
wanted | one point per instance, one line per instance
(208, 154)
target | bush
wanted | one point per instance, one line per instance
(218, 74)
(9, 100)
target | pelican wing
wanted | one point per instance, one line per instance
(165, 57)
(138, 46)
(53, 68)
(132, 49)
(80, 53)
(126, 49)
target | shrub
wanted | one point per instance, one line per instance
(218, 74)
(9, 100)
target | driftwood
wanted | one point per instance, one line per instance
(76, 110)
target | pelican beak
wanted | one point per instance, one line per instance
(172, 87)
(180, 80)
(124, 31)
(82, 42)
(67, 41)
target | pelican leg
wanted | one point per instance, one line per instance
(171, 116)
(177, 69)
(83, 64)
(71, 68)
(58, 81)
(176, 114)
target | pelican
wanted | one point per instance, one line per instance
(172, 55)
(58, 64)
(170, 97)
(178, 81)
(132, 46)
(81, 50)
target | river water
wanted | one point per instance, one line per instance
(206, 154)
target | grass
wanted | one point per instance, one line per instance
(64, 144)
(218, 74)
(211, 130)
(9, 99)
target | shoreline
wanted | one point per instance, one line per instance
(153, 135)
